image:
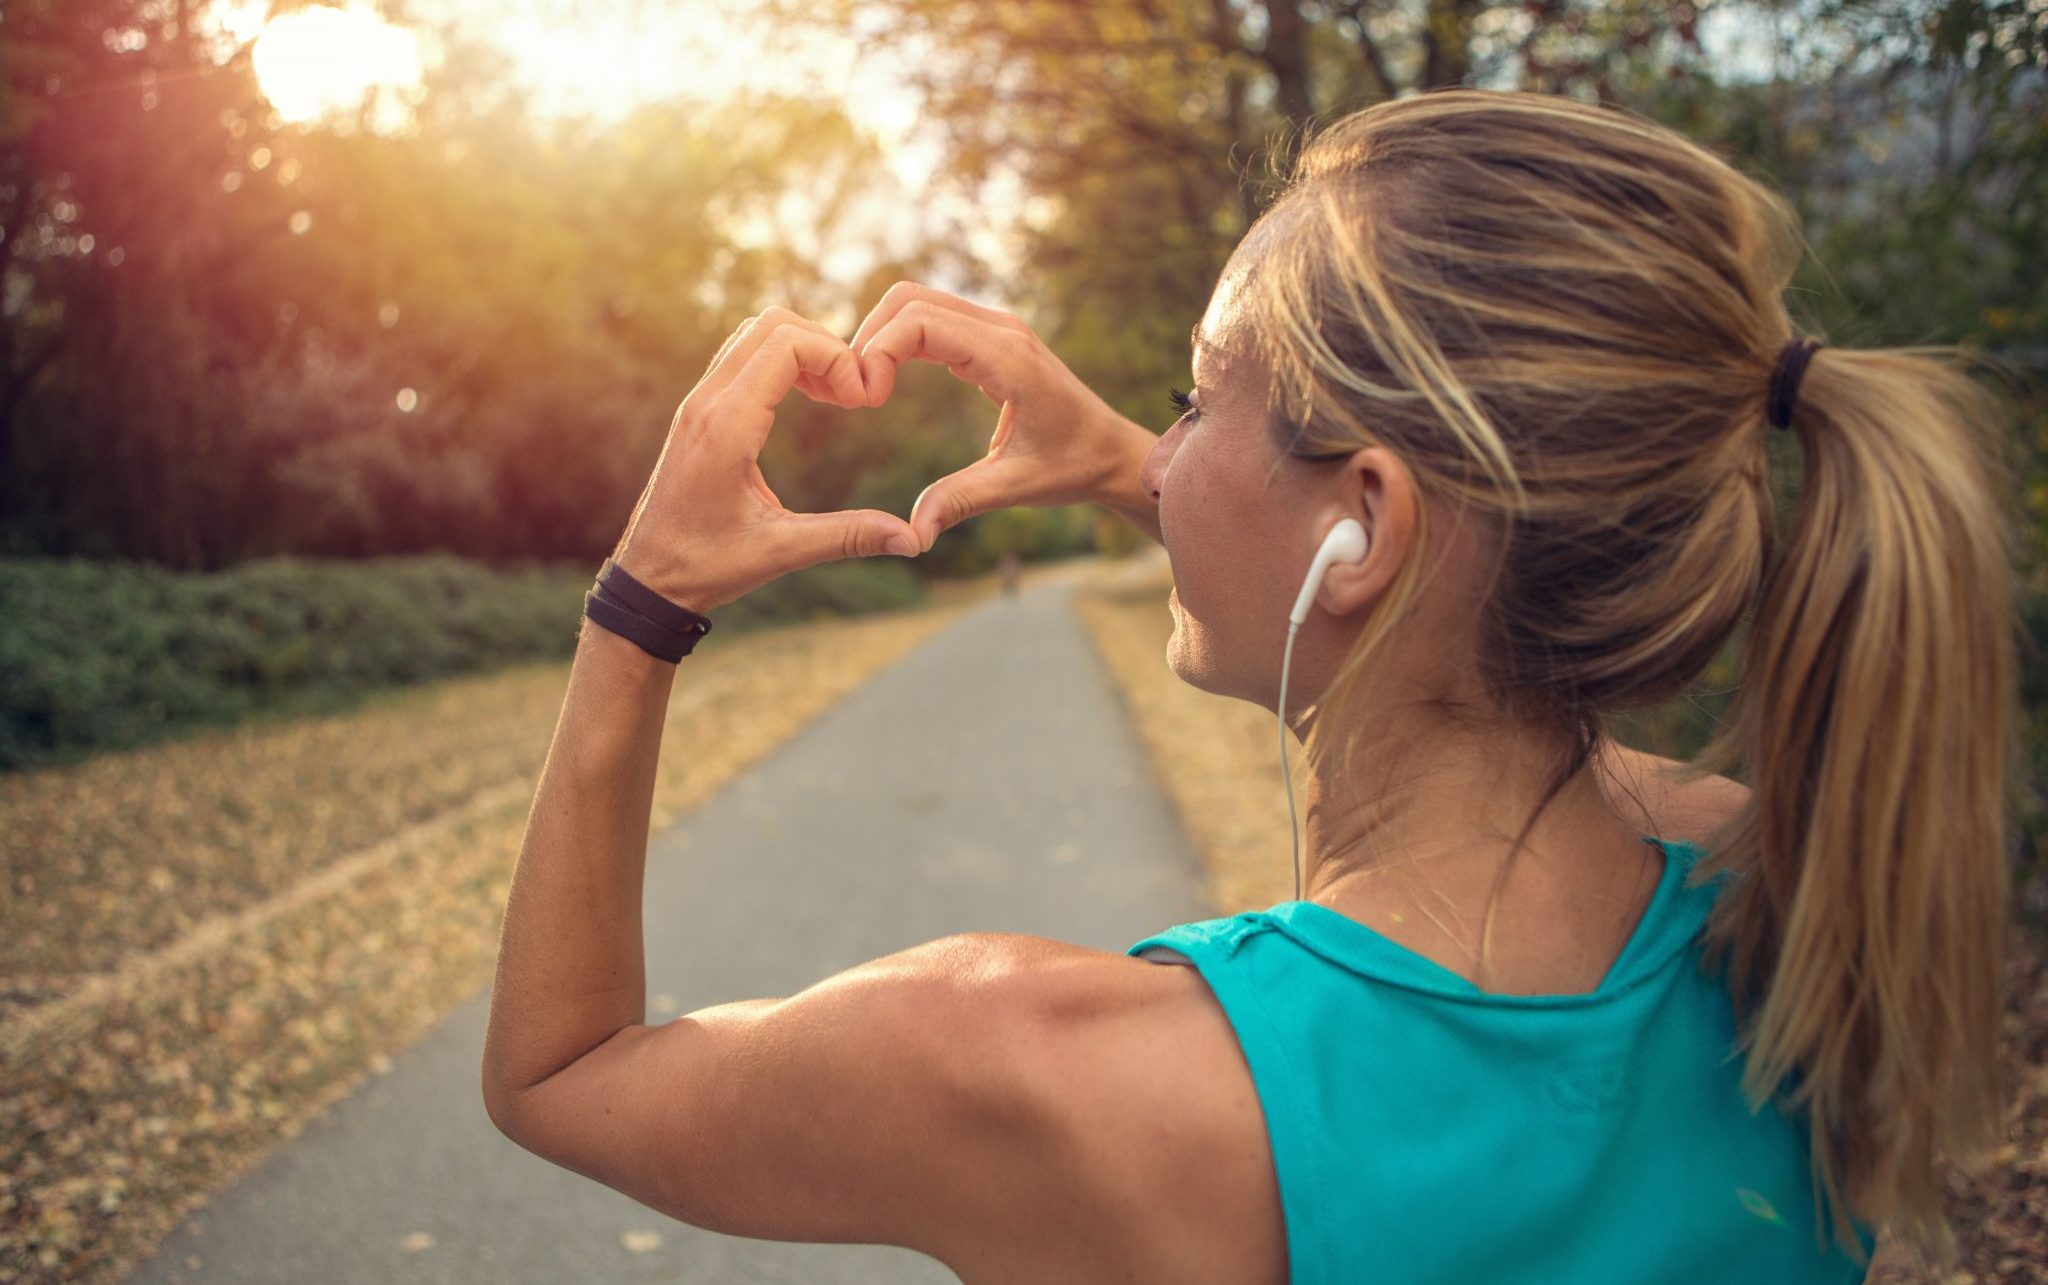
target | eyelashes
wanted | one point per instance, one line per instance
(1182, 403)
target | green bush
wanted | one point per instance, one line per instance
(104, 655)
(844, 588)
(976, 546)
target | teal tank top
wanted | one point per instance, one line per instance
(1425, 1131)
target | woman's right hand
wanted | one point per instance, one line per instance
(1055, 442)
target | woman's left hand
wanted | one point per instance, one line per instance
(707, 529)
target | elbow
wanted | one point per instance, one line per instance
(501, 1086)
(497, 1108)
(504, 1114)
(500, 1102)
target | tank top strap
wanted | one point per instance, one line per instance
(1674, 916)
(1286, 1087)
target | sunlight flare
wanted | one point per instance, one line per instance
(324, 59)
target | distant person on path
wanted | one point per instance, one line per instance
(1008, 564)
(1546, 1009)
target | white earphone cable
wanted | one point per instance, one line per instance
(1287, 775)
(1345, 542)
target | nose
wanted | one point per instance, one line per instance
(1153, 475)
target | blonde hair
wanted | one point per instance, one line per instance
(1563, 318)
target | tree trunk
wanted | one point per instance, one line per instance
(1286, 54)
(1447, 43)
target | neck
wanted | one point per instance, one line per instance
(1440, 815)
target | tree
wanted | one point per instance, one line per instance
(228, 336)
(1132, 127)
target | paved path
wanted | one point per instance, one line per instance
(988, 780)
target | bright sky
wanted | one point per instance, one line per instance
(597, 58)
(601, 58)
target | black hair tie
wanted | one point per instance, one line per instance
(1792, 359)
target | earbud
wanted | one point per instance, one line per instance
(1346, 542)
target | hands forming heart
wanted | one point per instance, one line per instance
(707, 529)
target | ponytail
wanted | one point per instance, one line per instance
(1877, 722)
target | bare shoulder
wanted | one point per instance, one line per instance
(1674, 800)
(1019, 1108)
(1164, 1162)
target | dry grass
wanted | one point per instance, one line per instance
(209, 941)
(1219, 761)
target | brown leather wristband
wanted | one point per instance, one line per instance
(663, 629)
(638, 630)
(621, 587)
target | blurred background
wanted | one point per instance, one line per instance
(371, 283)
(336, 342)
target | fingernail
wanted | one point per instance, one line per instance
(901, 545)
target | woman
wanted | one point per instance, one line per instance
(1525, 1019)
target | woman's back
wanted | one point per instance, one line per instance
(1423, 1130)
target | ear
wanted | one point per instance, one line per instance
(1376, 488)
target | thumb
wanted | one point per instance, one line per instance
(812, 538)
(948, 502)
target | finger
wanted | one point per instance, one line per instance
(813, 386)
(985, 355)
(955, 498)
(785, 354)
(806, 539)
(741, 346)
(730, 340)
(895, 297)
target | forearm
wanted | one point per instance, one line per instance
(571, 968)
(1120, 492)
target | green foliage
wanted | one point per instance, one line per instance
(978, 544)
(99, 655)
(845, 588)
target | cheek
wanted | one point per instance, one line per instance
(1214, 538)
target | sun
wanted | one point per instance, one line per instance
(314, 61)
